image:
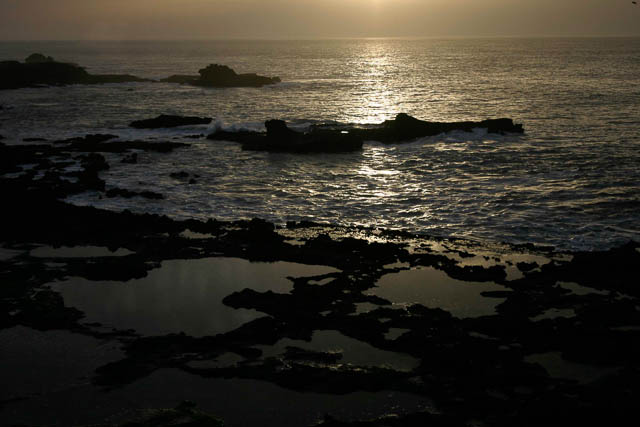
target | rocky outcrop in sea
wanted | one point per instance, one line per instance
(216, 75)
(39, 70)
(341, 138)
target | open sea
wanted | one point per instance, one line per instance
(572, 180)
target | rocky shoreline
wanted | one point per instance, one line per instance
(471, 368)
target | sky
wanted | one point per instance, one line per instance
(305, 19)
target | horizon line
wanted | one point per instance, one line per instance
(274, 39)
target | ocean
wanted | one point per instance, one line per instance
(571, 181)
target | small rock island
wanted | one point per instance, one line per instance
(40, 70)
(216, 75)
(344, 138)
(280, 138)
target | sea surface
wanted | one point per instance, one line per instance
(572, 180)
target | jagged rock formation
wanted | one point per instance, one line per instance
(216, 75)
(279, 138)
(38, 58)
(350, 138)
(407, 128)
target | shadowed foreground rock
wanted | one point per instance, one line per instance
(168, 121)
(486, 368)
(216, 75)
(39, 70)
(185, 414)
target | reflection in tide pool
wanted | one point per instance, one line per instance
(557, 367)
(182, 295)
(435, 289)
(353, 351)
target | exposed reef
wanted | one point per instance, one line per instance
(169, 121)
(52, 160)
(340, 138)
(279, 138)
(472, 369)
(216, 75)
(39, 70)
(407, 128)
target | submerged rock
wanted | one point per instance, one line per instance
(128, 194)
(279, 138)
(216, 75)
(39, 70)
(169, 121)
(131, 159)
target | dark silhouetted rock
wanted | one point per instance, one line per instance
(179, 175)
(222, 76)
(277, 129)
(185, 176)
(131, 159)
(407, 128)
(180, 78)
(168, 121)
(279, 138)
(39, 70)
(37, 58)
(323, 138)
(14, 74)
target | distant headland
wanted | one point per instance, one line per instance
(39, 70)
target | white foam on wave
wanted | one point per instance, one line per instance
(251, 126)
